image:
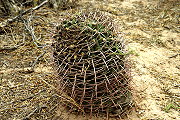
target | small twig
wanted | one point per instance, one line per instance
(37, 59)
(174, 55)
(12, 108)
(177, 85)
(11, 48)
(8, 49)
(31, 113)
(31, 69)
(30, 29)
(35, 110)
(10, 20)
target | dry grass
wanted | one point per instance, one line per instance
(152, 32)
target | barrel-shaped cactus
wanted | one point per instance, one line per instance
(91, 61)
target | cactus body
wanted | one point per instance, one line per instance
(90, 59)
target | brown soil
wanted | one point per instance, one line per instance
(151, 30)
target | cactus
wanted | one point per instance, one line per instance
(91, 61)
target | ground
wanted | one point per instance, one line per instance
(151, 31)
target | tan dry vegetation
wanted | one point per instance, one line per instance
(151, 29)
